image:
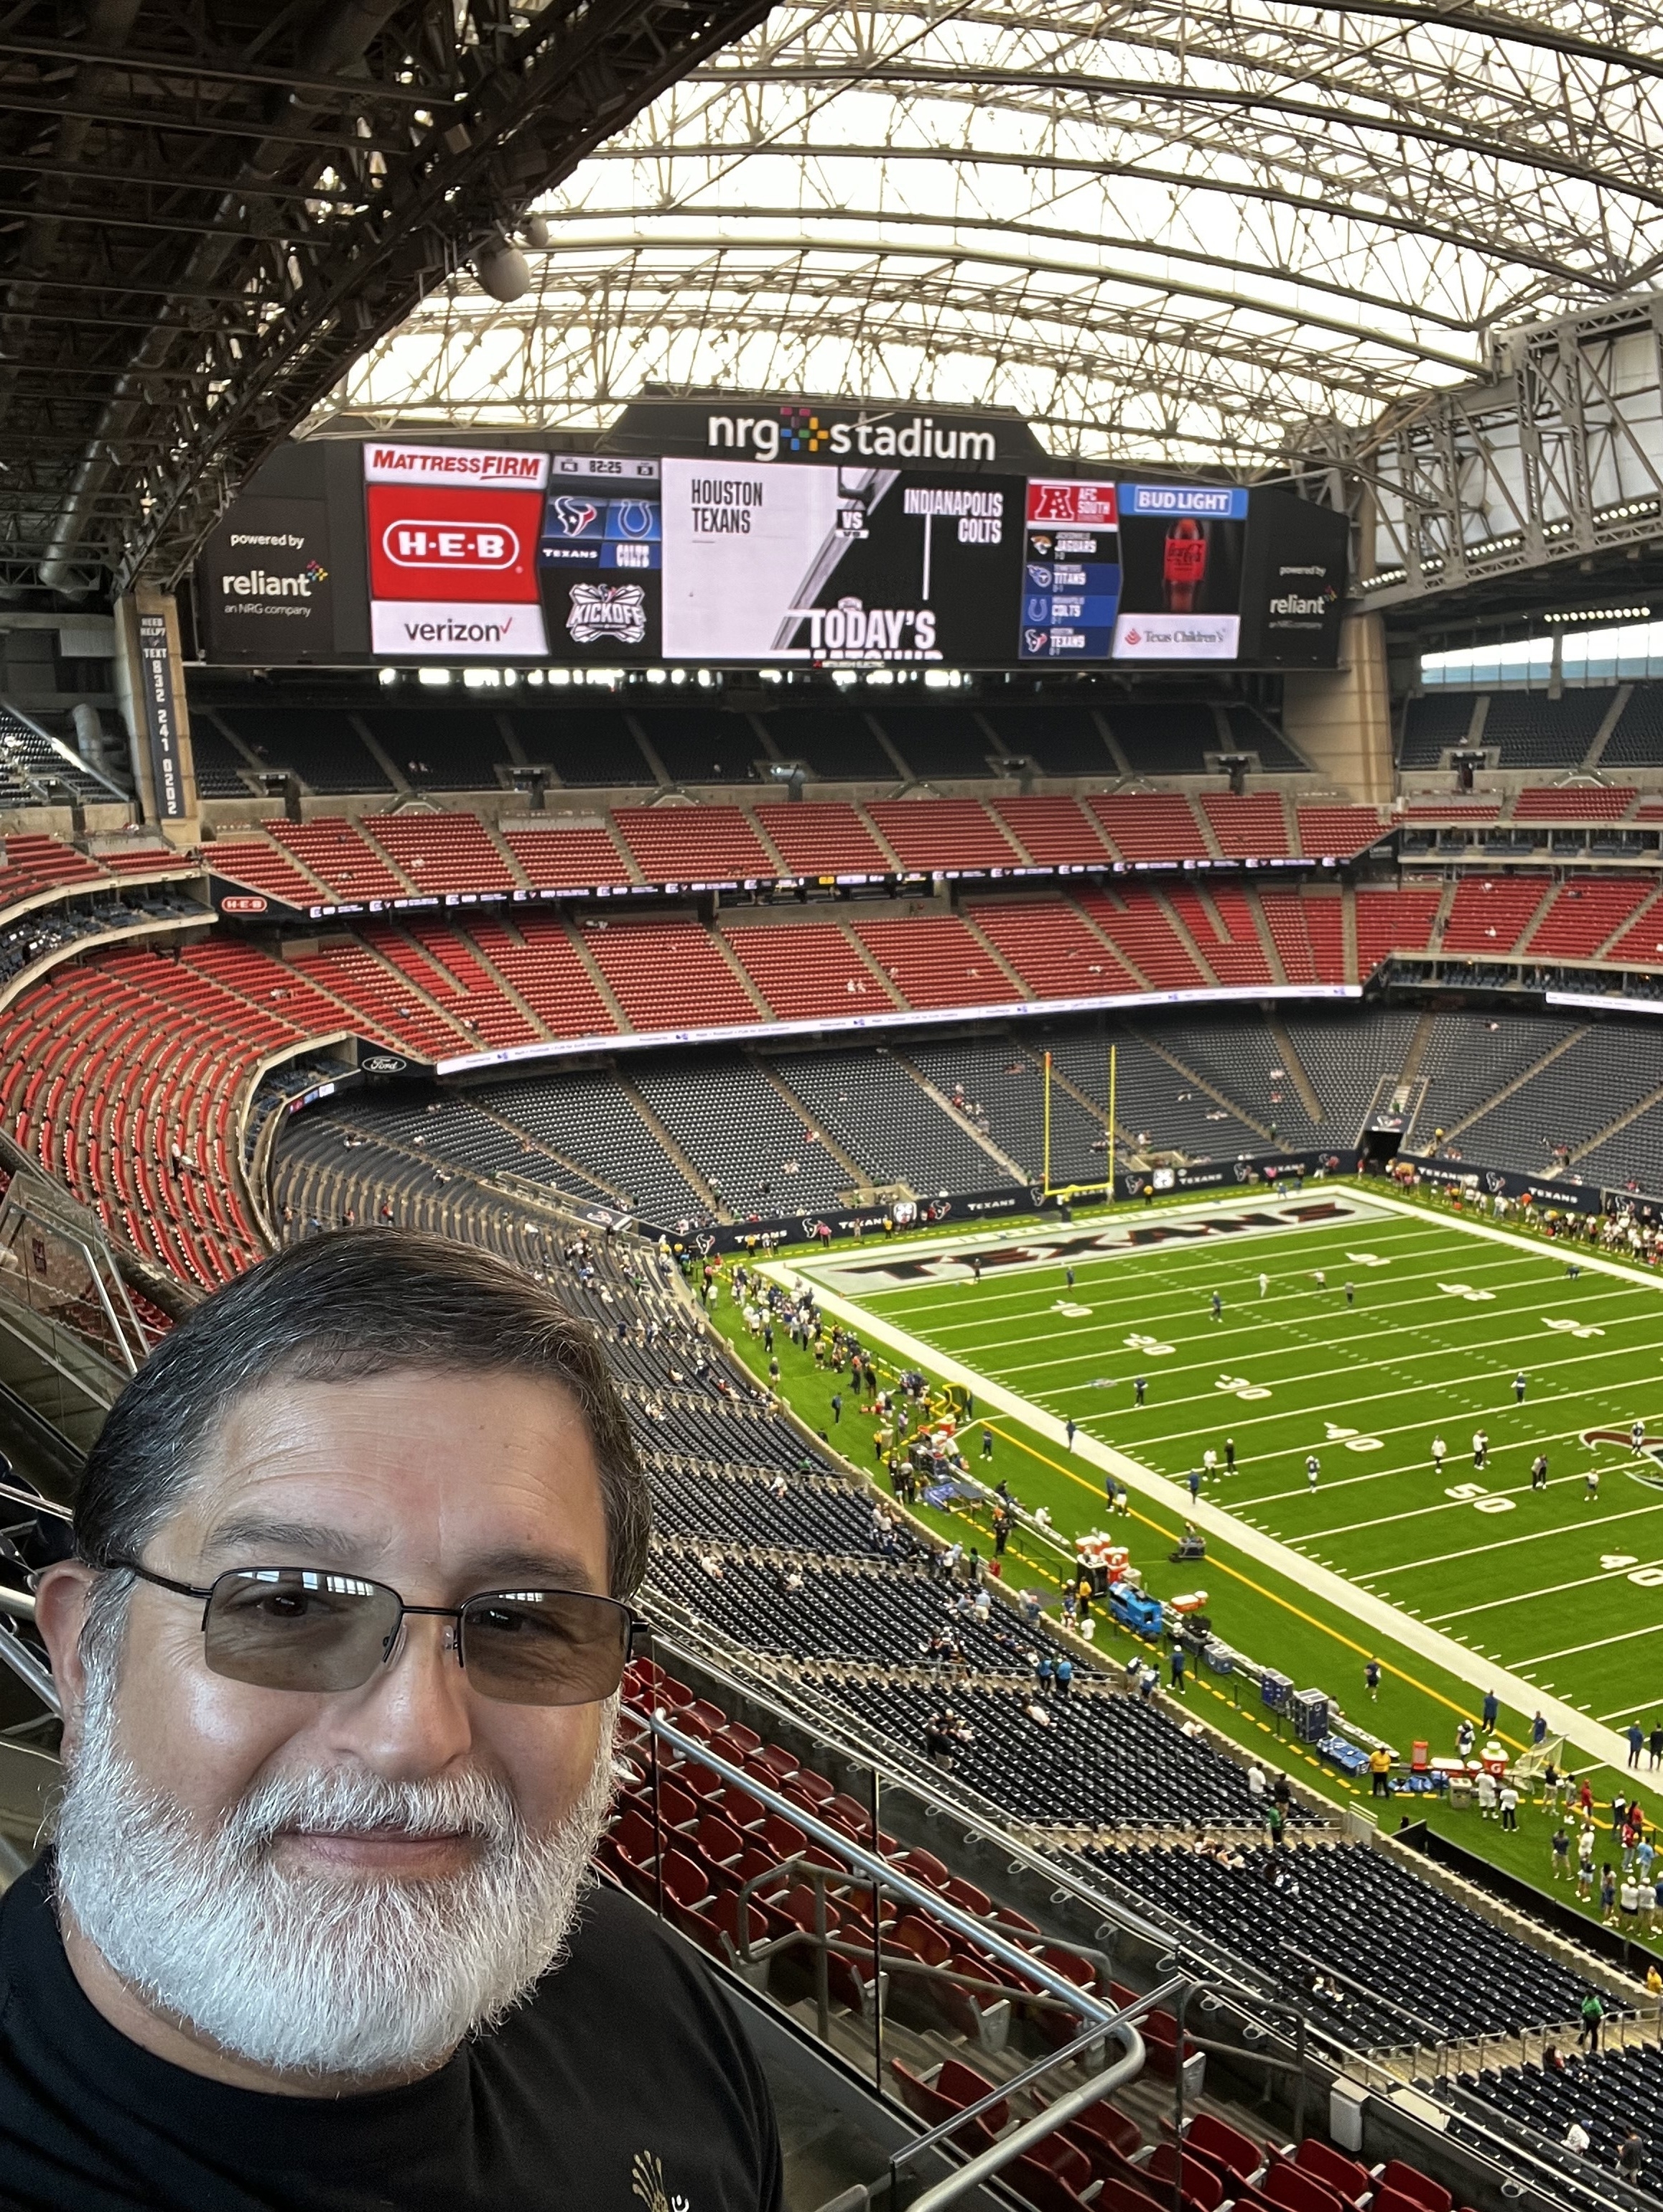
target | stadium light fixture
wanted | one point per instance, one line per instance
(389, 676)
(437, 678)
(1598, 614)
(503, 271)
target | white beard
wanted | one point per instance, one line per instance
(346, 1977)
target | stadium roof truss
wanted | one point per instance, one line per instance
(1190, 230)
(209, 209)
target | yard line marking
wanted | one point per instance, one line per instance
(1575, 1651)
(1506, 1543)
(1549, 1589)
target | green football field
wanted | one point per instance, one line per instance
(1561, 1588)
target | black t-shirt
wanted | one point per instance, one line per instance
(624, 2084)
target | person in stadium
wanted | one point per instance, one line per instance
(339, 1651)
(1539, 1472)
(1312, 1469)
(1440, 1452)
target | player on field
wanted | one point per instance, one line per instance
(1264, 1285)
(1480, 1449)
(1539, 1472)
(1440, 1452)
(1637, 1437)
(1218, 1305)
(1138, 1387)
(1591, 1487)
(1313, 1469)
(1351, 1294)
(1229, 1454)
(1520, 1384)
(1319, 1277)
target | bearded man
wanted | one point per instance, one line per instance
(339, 1652)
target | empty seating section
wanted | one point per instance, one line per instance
(713, 1497)
(1051, 947)
(1531, 730)
(1637, 740)
(1253, 826)
(1165, 740)
(1158, 1106)
(837, 742)
(1250, 731)
(935, 740)
(1054, 833)
(559, 860)
(442, 851)
(1337, 832)
(382, 1001)
(1308, 934)
(1347, 1062)
(1063, 740)
(1246, 1066)
(668, 975)
(1136, 924)
(944, 833)
(590, 1120)
(1641, 942)
(1601, 1075)
(703, 744)
(758, 1152)
(443, 749)
(1574, 802)
(821, 838)
(253, 861)
(1470, 1057)
(145, 857)
(119, 1076)
(1393, 921)
(1106, 1759)
(1419, 1966)
(1432, 723)
(534, 955)
(1581, 917)
(584, 745)
(1002, 1083)
(221, 771)
(1150, 825)
(320, 746)
(1220, 924)
(805, 968)
(336, 852)
(1490, 914)
(35, 863)
(446, 963)
(889, 1123)
(936, 962)
(694, 844)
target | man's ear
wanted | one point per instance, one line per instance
(62, 1595)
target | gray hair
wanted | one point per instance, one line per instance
(342, 1308)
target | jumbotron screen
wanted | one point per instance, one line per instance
(404, 551)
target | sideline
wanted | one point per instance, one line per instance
(1346, 1596)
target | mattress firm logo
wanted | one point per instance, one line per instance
(803, 430)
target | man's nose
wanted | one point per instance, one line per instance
(412, 1717)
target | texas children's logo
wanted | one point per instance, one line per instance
(1645, 1452)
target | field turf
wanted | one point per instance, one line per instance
(1563, 1588)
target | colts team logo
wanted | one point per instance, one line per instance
(1647, 1466)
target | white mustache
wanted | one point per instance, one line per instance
(353, 1800)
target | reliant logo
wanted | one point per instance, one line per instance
(260, 584)
(1292, 603)
(454, 545)
(801, 430)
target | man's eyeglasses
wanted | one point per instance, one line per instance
(302, 1628)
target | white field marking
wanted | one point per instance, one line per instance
(1420, 1512)
(1596, 1261)
(1506, 1543)
(1065, 1241)
(1160, 1297)
(1350, 1601)
(1549, 1589)
(1575, 1651)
